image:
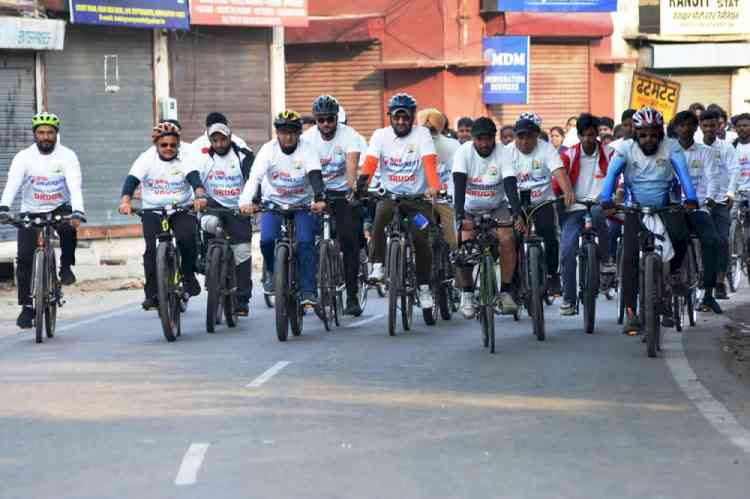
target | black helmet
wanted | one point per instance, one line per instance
(402, 101)
(289, 120)
(483, 126)
(325, 105)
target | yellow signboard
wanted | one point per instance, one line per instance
(658, 93)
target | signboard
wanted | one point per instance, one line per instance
(506, 74)
(549, 5)
(658, 93)
(704, 17)
(156, 14)
(289, 13)
(31, 34)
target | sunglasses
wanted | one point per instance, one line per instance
(167, 146)
(326, 119)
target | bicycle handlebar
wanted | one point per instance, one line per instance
(168, 210)
(22, 220)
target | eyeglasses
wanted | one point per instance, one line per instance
(326, 119)
(167, 145)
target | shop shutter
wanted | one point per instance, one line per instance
(18, 95)
(224, 70)
(345, 70)
(106, 116)
(558, 84)
(706, 88)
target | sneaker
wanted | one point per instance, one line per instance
(268, 284)
(467, 304)
(243, 309)
(720, 292)
(377, 274)
(709, 304)
(554, 287)
(608, 267)
(25, 318)
(308, 299)
(632, 326)
(192, 286)
(508, 305)
(567, 308)
(150, 304)
(67, 278)
(425, 296)
(352, 307)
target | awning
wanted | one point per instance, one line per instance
(340, 29)
(579, 25)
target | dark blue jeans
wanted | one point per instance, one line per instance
(572, 225)
(306, 226)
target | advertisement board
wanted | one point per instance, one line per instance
(506, 74)
(157, 14)
(653, 91)
(288, 13)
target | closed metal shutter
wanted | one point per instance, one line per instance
(18, 97)
(558, 84)
(106, 129)
(224, 70)
(707, 88)
(345, 70)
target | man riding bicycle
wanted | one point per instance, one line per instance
(706, 178)
(49, 176)
(167, 178)
(223, 171)
(536, 162)
(288, 170)
(648, 164)
(586, 165)
(482, 181)
(408, 162)
(337, 147)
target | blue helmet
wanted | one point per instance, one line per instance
(402, 101)
(325, 105)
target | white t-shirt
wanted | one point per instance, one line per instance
(162, 182)
(590, 179)
(401, 159)
(484, 177)
(704, 172)
(534, 171)
(332, 154)
(446, 148)
(202, 144)
(741, 174)
(47, 180)
(222, 178)
(283, 176)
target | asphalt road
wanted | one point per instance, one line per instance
(108, 409)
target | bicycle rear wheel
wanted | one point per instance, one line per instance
(213, 286)
(620, 294)
(652, 303)
(734, 267)
(269, 299)
(39, 294)
(395, 284)
(166, 278)
(677, 311)
(362, 281)
(282, 300)
(50, 308)
(590, 271)
(536, 284)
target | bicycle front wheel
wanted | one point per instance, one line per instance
(325, 293)
(487, 295)
(282, 298)
(229, 284)
(651, 303)
(394, 284)
(213, 287)
(536, 285)
(39, 294)
(166, 277)
(50, 308)
(589, 269)
(409, 287)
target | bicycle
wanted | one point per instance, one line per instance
(221, 274)
(171, 295)
(441, 277)
(46, 291)
(531, 275)
(691, 275)
(330, 275)
(588, 268)
(287, 304)
(739, 237)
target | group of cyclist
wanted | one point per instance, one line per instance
(444, 181)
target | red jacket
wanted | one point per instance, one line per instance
(571, 159)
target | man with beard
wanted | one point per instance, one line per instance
(223, 172)
(50, 178)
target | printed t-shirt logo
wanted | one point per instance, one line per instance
(661, 162)
(696, 164)
(411, 148)
(297, 164)
(492, 170)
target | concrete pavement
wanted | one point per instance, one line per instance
(109, 409)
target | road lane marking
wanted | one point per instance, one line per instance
(714, 411)
(191, 464)
(270, 373)
(366, 321)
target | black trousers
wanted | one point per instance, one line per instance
(26, 245)
(184, 226)
(546, 226)
(703, 225)
(348, 233)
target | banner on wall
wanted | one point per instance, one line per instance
(155, 14)
(705, 17)
(554, 5)
(506, 74)
(288, 13)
